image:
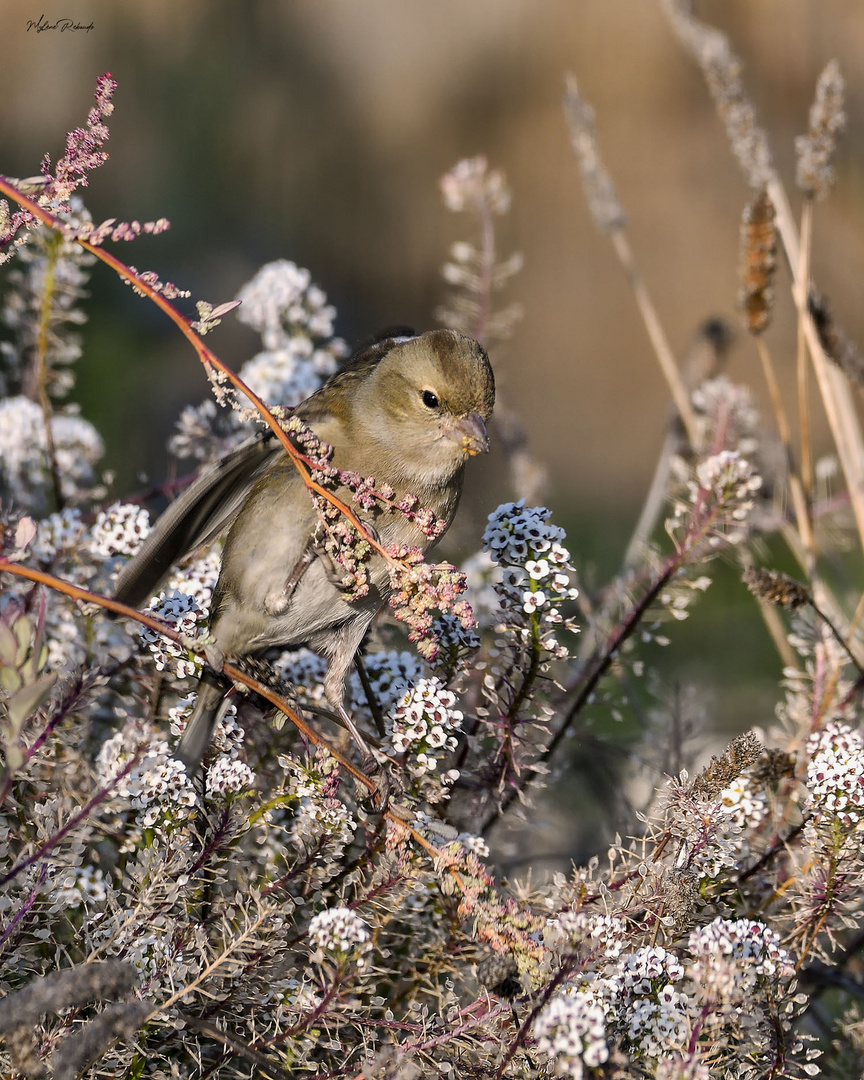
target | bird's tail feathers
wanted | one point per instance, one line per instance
(194, 741)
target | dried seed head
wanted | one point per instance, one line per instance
(722, 71)
(680, 899)
(815, 173)
(600, 191)
(737, 758)
(776, 588)
(838, 346)
(773, 766)
(758, 263)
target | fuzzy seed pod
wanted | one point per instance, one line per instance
(776, 588)
(758, 263)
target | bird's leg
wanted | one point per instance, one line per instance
(277, 601)
(385, 784)
(371, 700)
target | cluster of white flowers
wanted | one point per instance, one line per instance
(745, 803)
(607, 932)
(422, 725)
(571, 1031)
(835, 773)
(228, 776)
(60, 534)
(197, 579)
(184, 613)
(536, 566)
(305, 671)
(455, 641)
(390, 674)
(119, 530)
(157, 786)
(660, 1023)
(650, 1012)
(338, 930)
(289, 312)
(319, 815)
(722, 492)
(281, 300)
(729, 955)
(647, 970)
(470, 185)
(24, 469)
(474, 845)
(78, 447)
(287, 376)
(296, 327)
(65, 642)
(732, 480)
(721, 397)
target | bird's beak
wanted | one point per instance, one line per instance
(469, 432)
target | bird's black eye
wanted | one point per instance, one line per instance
(430, 400)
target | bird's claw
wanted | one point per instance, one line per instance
(387, 785)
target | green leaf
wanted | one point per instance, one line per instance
(26, 701)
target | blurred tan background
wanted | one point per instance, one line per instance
(317, 130)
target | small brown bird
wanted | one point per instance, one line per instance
(406, 410)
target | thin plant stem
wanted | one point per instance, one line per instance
(657, 337)
(796, 486)
(209, 360)
(804, 427)
(833, 385)
(40, 366)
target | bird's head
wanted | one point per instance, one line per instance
(428, 401)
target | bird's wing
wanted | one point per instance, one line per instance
(210, 504)
(204, 510)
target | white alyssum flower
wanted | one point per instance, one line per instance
(157, 785)
(59, 534)
(228, 776)
(338, 930)
(571, 1031)
(79, 885)
(746, 805)
(24, 468)
(423, 723)
(835, 773)
(533, 571)
(274, 297)
(119, 530)
(197, 579)
(731, 955)
(607, 933)
(184, 614)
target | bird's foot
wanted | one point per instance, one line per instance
(387, 787)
